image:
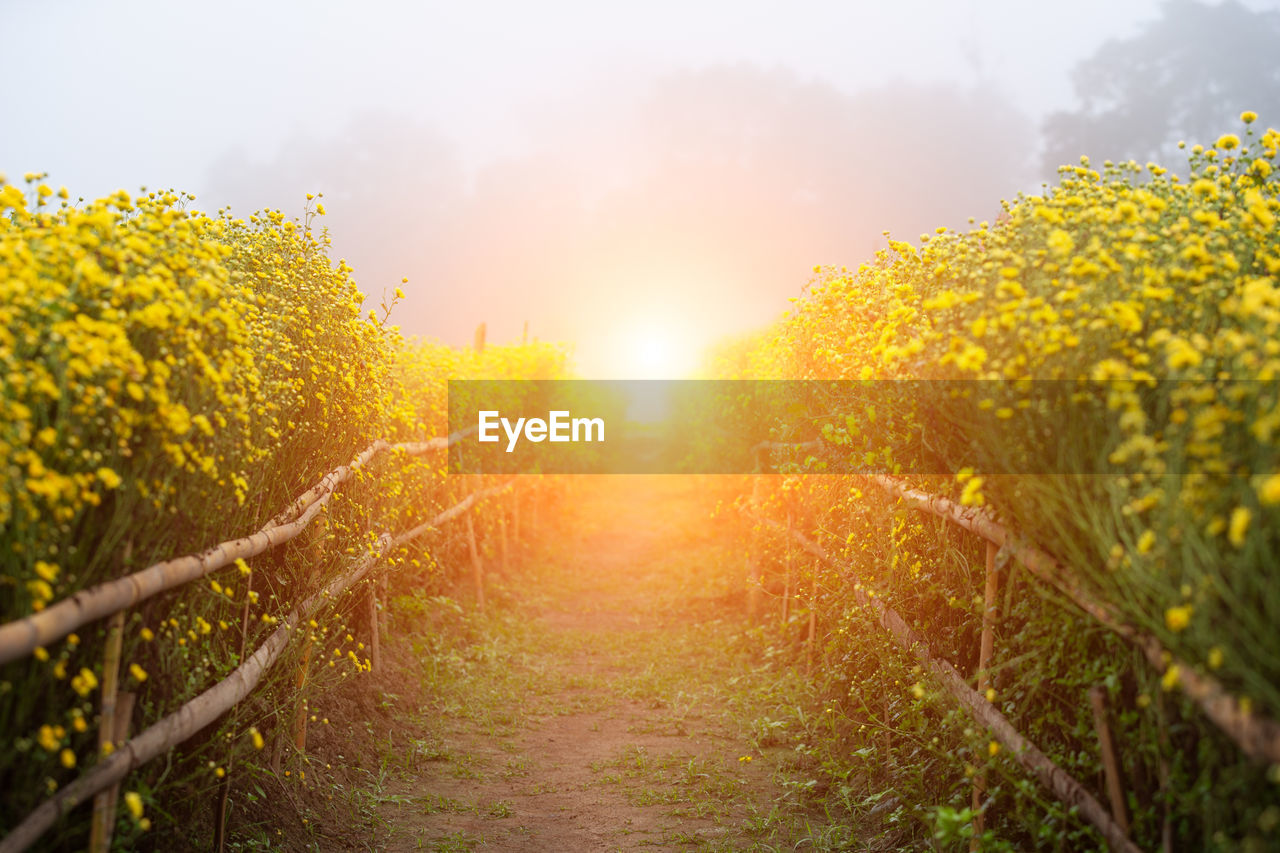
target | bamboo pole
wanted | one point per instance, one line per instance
(100, 829)
(178, 726)
(1053, 777)
(502, 540)
(813, 630)
(515, 517)
(477, 567)
(224, 790)
(342, 473)
(212, 703)
(786, 583)
(1257, 736)
(315, 553)
(220, 813)
(375, 652)
(989, 614)
(21, 637)
(124, 712)
(1110, 761)
(300, 716)
(1163, 769)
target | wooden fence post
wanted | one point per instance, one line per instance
(813, 624)
(989, 613)
(786, 583)
(375, 651)
(751, 581)
(515, 517)
(502, 539)
(477, 567)
(100, 830)
(300, 718)
(124, 713)
(1110, 762)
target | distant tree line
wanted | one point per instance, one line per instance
(1185, 76)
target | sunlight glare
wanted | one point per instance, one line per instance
(655, 352)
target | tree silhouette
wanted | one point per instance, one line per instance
(1186, 76)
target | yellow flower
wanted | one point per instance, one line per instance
(1172, 676)
(1269, 491)
(138, 673)
(256, 737)
(1240, 517)
(133, 802)
(85, 682)
(40, 591)
(1146, 542)
(1227, 141)
(68, 758)
(972, 494)
(1060, 242)
(147, 635)
(993, 748)
(47, 739)
(1248, 116)
(1215, 657)
(1178, 618)
(109, 478)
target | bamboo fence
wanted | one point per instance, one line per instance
(1256, 735)
(21, 637)
(1053, 777)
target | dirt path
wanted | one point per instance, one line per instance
(589, 721)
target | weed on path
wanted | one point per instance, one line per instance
(608, 701)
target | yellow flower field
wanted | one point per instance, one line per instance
(170, 379)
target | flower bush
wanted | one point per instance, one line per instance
(170, 379)
(1152, 298)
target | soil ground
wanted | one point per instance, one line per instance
(598, 706)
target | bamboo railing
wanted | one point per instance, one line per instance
(1257, 736)
(214, 702)
(1053, 777)
(21, 637)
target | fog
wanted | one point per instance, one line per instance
(622, 182)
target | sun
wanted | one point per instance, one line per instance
(651, 351)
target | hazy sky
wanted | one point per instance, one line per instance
(635, 179)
